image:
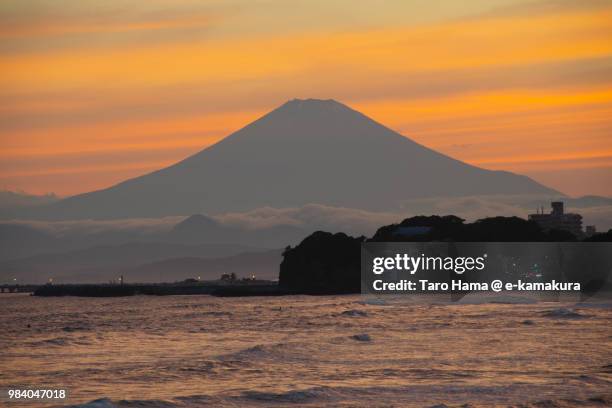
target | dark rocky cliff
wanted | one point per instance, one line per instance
(322, 263)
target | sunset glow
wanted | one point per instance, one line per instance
(92, 95)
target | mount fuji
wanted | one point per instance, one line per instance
(305, 151)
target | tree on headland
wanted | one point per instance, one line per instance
(601, 237)
(452, 228)
(330, 263)
(322, 263)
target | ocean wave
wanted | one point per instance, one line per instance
(595, 401)
(293, 397)
(373, 302)
(55, 341)
(259, 351)
(354, 313)
(365, 337)
(74, 328)
(99, 403)
(563, 313)
(213, 313)
(479, 299)
(606, 305)
(413, 396)
(108, 403)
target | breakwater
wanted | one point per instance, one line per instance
(252, 288)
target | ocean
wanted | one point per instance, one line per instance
(313, 351)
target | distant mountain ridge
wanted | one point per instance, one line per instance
(12, 203)
(305, 151)
(18, 241)
(262, 264)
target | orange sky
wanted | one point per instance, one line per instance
(92, 93)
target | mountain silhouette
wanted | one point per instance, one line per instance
(305, 151)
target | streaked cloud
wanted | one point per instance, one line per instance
(314, 217)
(521, 86)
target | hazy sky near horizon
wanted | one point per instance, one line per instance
(95, 92)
